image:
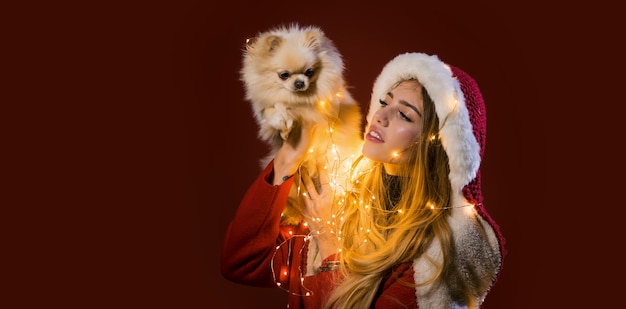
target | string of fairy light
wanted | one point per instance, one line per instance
(339, 182)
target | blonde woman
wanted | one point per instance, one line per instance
(410, 232)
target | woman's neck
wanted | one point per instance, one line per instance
(393, 187)
(392, 169)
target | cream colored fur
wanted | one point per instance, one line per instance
(294, 75)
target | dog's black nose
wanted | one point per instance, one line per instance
(298, 84)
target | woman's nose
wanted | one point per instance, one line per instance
(381, 117)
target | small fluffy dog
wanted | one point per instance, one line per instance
(294, 76)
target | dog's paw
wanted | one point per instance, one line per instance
(278, 118)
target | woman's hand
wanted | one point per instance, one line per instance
(318, 211)
(292, 153)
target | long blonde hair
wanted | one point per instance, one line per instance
(379, 231)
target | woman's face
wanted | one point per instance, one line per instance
(396, 125)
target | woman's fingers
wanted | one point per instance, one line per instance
(309, 184)
(323, 175)
(318, 185)
(291, 154)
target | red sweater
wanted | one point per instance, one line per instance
(258, 251)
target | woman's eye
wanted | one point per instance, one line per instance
(283, 75)
(382, 103)
(309, 72)
(404, 116)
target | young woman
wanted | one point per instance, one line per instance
(411, 231)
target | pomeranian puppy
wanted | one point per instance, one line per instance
(293, 76)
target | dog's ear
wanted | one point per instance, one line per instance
(263, 44)
(271, 43)
(314, 39)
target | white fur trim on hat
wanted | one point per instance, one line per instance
(455, 131)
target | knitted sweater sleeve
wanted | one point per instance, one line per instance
(253, 234)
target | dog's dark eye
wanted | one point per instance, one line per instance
(283, 75)
(309, 72)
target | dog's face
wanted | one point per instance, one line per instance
(290, 59)
(298, 76)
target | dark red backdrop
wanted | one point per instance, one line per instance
(137, 144)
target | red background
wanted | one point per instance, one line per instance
(132, 143)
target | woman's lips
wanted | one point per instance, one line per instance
(374, 136)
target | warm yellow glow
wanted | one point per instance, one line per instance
(395, 154)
